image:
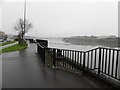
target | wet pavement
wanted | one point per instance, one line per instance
(24, 69)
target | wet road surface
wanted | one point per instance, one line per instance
(24, 69)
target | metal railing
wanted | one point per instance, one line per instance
(31, 40)
(41, 45)
(41, 52)
(44, 43)
(103, 61)
(110, 62)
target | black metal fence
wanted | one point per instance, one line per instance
(31, 40)
(101, 60)
(44, 43)
(41, 45)
(41, 52)
(109, 61)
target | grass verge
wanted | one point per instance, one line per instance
(5, 43)
(16, 47)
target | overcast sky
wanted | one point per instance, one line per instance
(63, 18)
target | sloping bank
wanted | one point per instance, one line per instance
(12, 48)
(6, 43)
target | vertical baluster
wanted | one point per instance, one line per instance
(77, 60)
(58, 53)
(106, 61)
(88, 61)
(62, 59)
(116, 70)
(54, 57)
(103, 60)
(50, 56)
(69, 65)
(99, 65)
(112, 63)
(65, 57)
(68, 60)
(91, 59)
(58, 56)
(109, 61)
(51, 61)
(80, 58)
(84, 55)
(73, 59)
(95, 58)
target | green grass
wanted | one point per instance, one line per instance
(5, 43)
(16, 47)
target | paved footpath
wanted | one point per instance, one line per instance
(24, 69)
(8, 45)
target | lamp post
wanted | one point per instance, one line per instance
(24, 16)
(119, 36)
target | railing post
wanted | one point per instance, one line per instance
(54, 57)
(37, 48)
(99, 64)
(84, 61)
(43, 55)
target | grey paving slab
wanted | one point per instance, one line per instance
(24, 69)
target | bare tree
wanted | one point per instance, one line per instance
(22, 27)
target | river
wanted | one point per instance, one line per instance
(59, 43)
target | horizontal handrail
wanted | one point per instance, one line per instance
(40, 45)
(92, 49)
(110, 48)
(88, 50)
(67, 50)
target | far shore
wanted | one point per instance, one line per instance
(94, 41)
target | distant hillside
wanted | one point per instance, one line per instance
(108, 41)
